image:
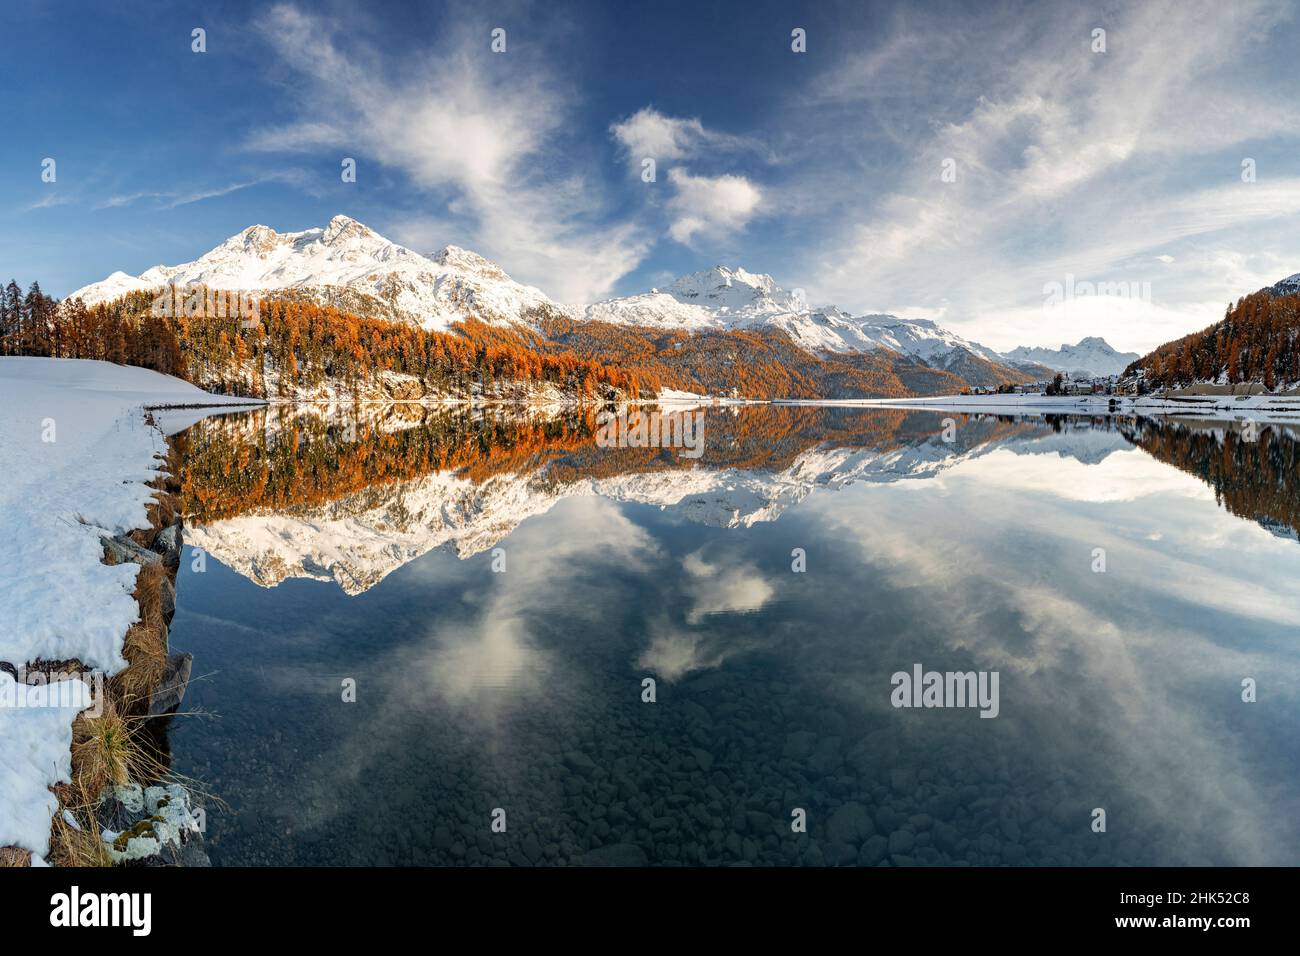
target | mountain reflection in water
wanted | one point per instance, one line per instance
(364, 547)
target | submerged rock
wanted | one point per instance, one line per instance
(850, 823)
(171, 692)
(580, 762)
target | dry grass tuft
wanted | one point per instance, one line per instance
(12, 856)
(101, 753)
(148, 585)
(145, 649)
(111, 749)
(80, 845)
(145, 645)
(163, 510)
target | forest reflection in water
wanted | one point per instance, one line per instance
(366, 546)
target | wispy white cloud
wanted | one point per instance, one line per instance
(127, 199)
(718, 588)
(50, 200)
(700, 206)
(478, 130)
(650, 134)
(1065, 160)
(199, 195)
(710, 205)
(176, 198)
(294, 136)
(711, 587)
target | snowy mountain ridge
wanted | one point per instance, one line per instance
(433, 291)
(724, 298)
(1090, 357)
(347, 257)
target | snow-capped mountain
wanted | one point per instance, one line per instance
(724, 298)
(1091, 357)
(718, 298)
(351, 266)
(736, 292)
(346, 257)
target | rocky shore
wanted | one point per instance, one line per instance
(119, 807)
(145, 820)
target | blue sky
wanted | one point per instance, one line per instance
(823, 168)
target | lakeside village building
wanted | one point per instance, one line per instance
(1103, 385)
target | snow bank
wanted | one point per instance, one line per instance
(77, 454)
(35, 754)
(676, 395)
(77, 457)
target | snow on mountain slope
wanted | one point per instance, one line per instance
(736, 292)
(718, 298)
(433, 292)
(1092, 356)
(1288, 286)
(722, 298)
(921, 338)
(345, 261)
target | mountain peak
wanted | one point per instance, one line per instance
(715, 281)
(256, 238)
(347, 254)
(454, 257)
(342, 228)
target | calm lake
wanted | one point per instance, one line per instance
(494, 590)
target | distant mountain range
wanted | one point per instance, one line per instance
(1091, 357)
(348, 265)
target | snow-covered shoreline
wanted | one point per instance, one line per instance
(80, 448)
